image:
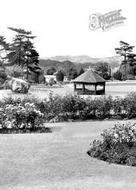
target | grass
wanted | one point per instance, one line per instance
(112, 88)
(58, 161)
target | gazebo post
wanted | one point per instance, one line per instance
(83, 88)
(104, 88)
(74, 86)
(95, 88)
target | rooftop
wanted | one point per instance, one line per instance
(89, 77)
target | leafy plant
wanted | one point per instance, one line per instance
(19, 116)
(117, 75)
(118, 145)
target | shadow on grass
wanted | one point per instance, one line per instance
(22, 131)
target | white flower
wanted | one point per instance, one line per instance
(116, 135)
(8, 124)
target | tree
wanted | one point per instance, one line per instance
(81, 71)
(17, 47)
(52, 82)
(4, 47)
(117, 75)
(104, 70)
(22, 51)
(72, 73)
(125, 50)
(51, 71)
(3, 75)
(131, 59)
(60, 76)
(133, 70)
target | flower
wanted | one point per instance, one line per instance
(8, 124)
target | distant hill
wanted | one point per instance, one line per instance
(79, 61)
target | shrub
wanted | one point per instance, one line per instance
(130, 106)
(3, 77)
(51, 82)
(63, 108)
(75, 107)
(89, 111)
(60, 76)
(117, 75)
(118, 145)
(20, 116)
(51, 71)
(118, 108)
(106, 76)
(16, 74)
(104, 70)
(51, 107)
(103, 107)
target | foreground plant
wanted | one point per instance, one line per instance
(21, 118)
(118, 145)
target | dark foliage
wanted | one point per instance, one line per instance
(57, 108)
(60, 76)
(104, 70)
(51, 71)
(118, 145)
(117, 75)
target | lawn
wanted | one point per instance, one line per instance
(41, 91)
(58, 161)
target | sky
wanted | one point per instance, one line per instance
(62, 26)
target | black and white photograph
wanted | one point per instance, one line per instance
(67, 95)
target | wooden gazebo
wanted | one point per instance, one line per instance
(89, 83)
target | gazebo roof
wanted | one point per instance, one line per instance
(89, 77)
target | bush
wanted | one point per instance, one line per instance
(73, 106)
(117, 75)
(50, 71)
(103, 107)
(20, 116)
(57, 108)
(130, 105)
(3, 77)
(17, 74)
(118, 145)
(51, 82)
(104, 70)
(118, 108)
(106, 76)
(76, 108)
(60, 76)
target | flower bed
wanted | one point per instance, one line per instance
(57, 108)
(29, 113)
(118, 145)
(20, 117)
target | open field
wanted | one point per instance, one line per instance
(41, 91)
(112, 88)
(58, 161)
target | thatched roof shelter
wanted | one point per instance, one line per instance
(89, 83)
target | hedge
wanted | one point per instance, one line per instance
(72, 107)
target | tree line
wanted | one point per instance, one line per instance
(21, 51)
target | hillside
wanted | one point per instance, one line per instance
(85, 59)
(78, 61)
